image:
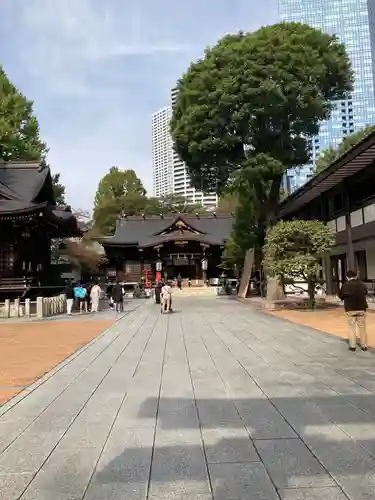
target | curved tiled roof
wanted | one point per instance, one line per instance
(22, 180)
(138, 231)
(25, 188)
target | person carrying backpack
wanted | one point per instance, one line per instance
(80, 294)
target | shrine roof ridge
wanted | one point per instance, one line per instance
(132, 231)
(212, 215)
(23, 164)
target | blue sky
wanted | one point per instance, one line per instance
(97, 69)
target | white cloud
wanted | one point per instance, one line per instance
(68, 37)
(98, 69)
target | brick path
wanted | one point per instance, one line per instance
(215, 401)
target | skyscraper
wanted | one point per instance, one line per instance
(169, 174)
(181, 180)
(353, 21)
(162, 153)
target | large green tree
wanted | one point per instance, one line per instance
(19, 131)
(19, 128)
(252, 103)
(119, 191)
(331, 154)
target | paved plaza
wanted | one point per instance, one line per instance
(215, 401)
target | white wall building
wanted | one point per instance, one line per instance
(162, 153)
(181, 180)
(169, 173)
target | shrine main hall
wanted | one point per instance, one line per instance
(187, 245)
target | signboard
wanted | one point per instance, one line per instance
(111, 273)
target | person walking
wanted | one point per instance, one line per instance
(158, 288)
(69, 295)
(166, 296)
(117, 295)
(95, 294)
(353, 292)
(80, 296)
(179, 282)
(88, 287)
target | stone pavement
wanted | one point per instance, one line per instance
(215, 401)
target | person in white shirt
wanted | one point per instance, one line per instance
(165, 297)
(95, 295)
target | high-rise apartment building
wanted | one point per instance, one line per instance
(353, 21)
(162, 153)
(181, 180)
(169, 173)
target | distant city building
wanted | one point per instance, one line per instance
(162, 153)
(169, 173)
(181, 180)
(353, 21)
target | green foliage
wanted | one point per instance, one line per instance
(227, 203)
(329, 155)
(233, 255)
(245, 112)
(295, 248)
(58, 189)
(257, 93)
(122, 192)
(248, 226)
(172, 204)
(119, 191)
(325, 159)
(19, 128)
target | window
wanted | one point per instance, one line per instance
(356, 218)
(341, 224)
(6, 259)
(369, 213)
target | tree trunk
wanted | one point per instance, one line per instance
(311, 292)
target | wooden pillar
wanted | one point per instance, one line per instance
(350, 257)
(327, 266)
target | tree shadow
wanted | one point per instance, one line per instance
(289, 448)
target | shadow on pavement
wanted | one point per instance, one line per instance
(289, 448)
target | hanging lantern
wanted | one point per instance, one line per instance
(159, 266)
(204, 264)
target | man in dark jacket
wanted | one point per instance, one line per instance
(117, 295)
(69, 294)
(158, 288)
(353, 292)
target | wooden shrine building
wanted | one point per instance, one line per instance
(187, 245)
(29, 219)
(343, 196)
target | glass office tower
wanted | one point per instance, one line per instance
(353, 21)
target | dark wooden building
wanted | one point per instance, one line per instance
(185, 245)
(29, 219)
(343, 196)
